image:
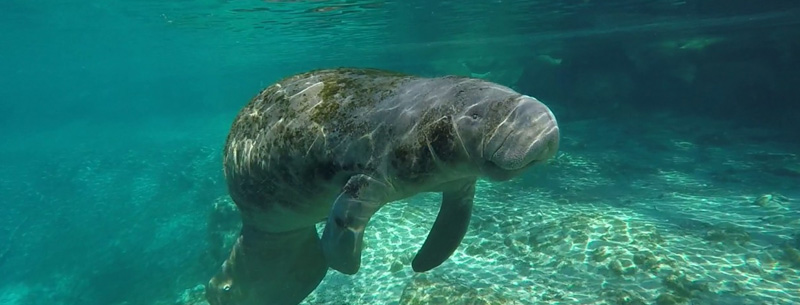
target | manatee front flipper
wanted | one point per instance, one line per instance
(269, 268)
(361, 197)
(449, 228)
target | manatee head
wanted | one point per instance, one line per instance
(504, 132)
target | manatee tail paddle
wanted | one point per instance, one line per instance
(269, 268)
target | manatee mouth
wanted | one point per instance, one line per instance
(493, 158)
(509, 156)
(500, 171)
(496, 168)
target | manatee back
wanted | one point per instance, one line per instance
(305, 133)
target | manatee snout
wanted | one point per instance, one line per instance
(528, 135)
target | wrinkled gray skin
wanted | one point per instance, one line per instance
(336, 145)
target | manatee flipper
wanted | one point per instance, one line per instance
(269, 268)
(449, 228)
(342, 237)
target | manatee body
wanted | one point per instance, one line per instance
(336, 145)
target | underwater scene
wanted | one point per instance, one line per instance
(230, 152)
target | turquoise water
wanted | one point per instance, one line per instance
(676, 182)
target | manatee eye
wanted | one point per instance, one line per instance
(226, 287)
(474, 116)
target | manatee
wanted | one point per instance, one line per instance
(335, 145)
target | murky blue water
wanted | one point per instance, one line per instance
(676, 183)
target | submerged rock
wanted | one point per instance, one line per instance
(728, 233)
(396, 266)
(684, 287)
(670, 299)
(792, 254)
(622, 267)
(646, 260)
(763, 200)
